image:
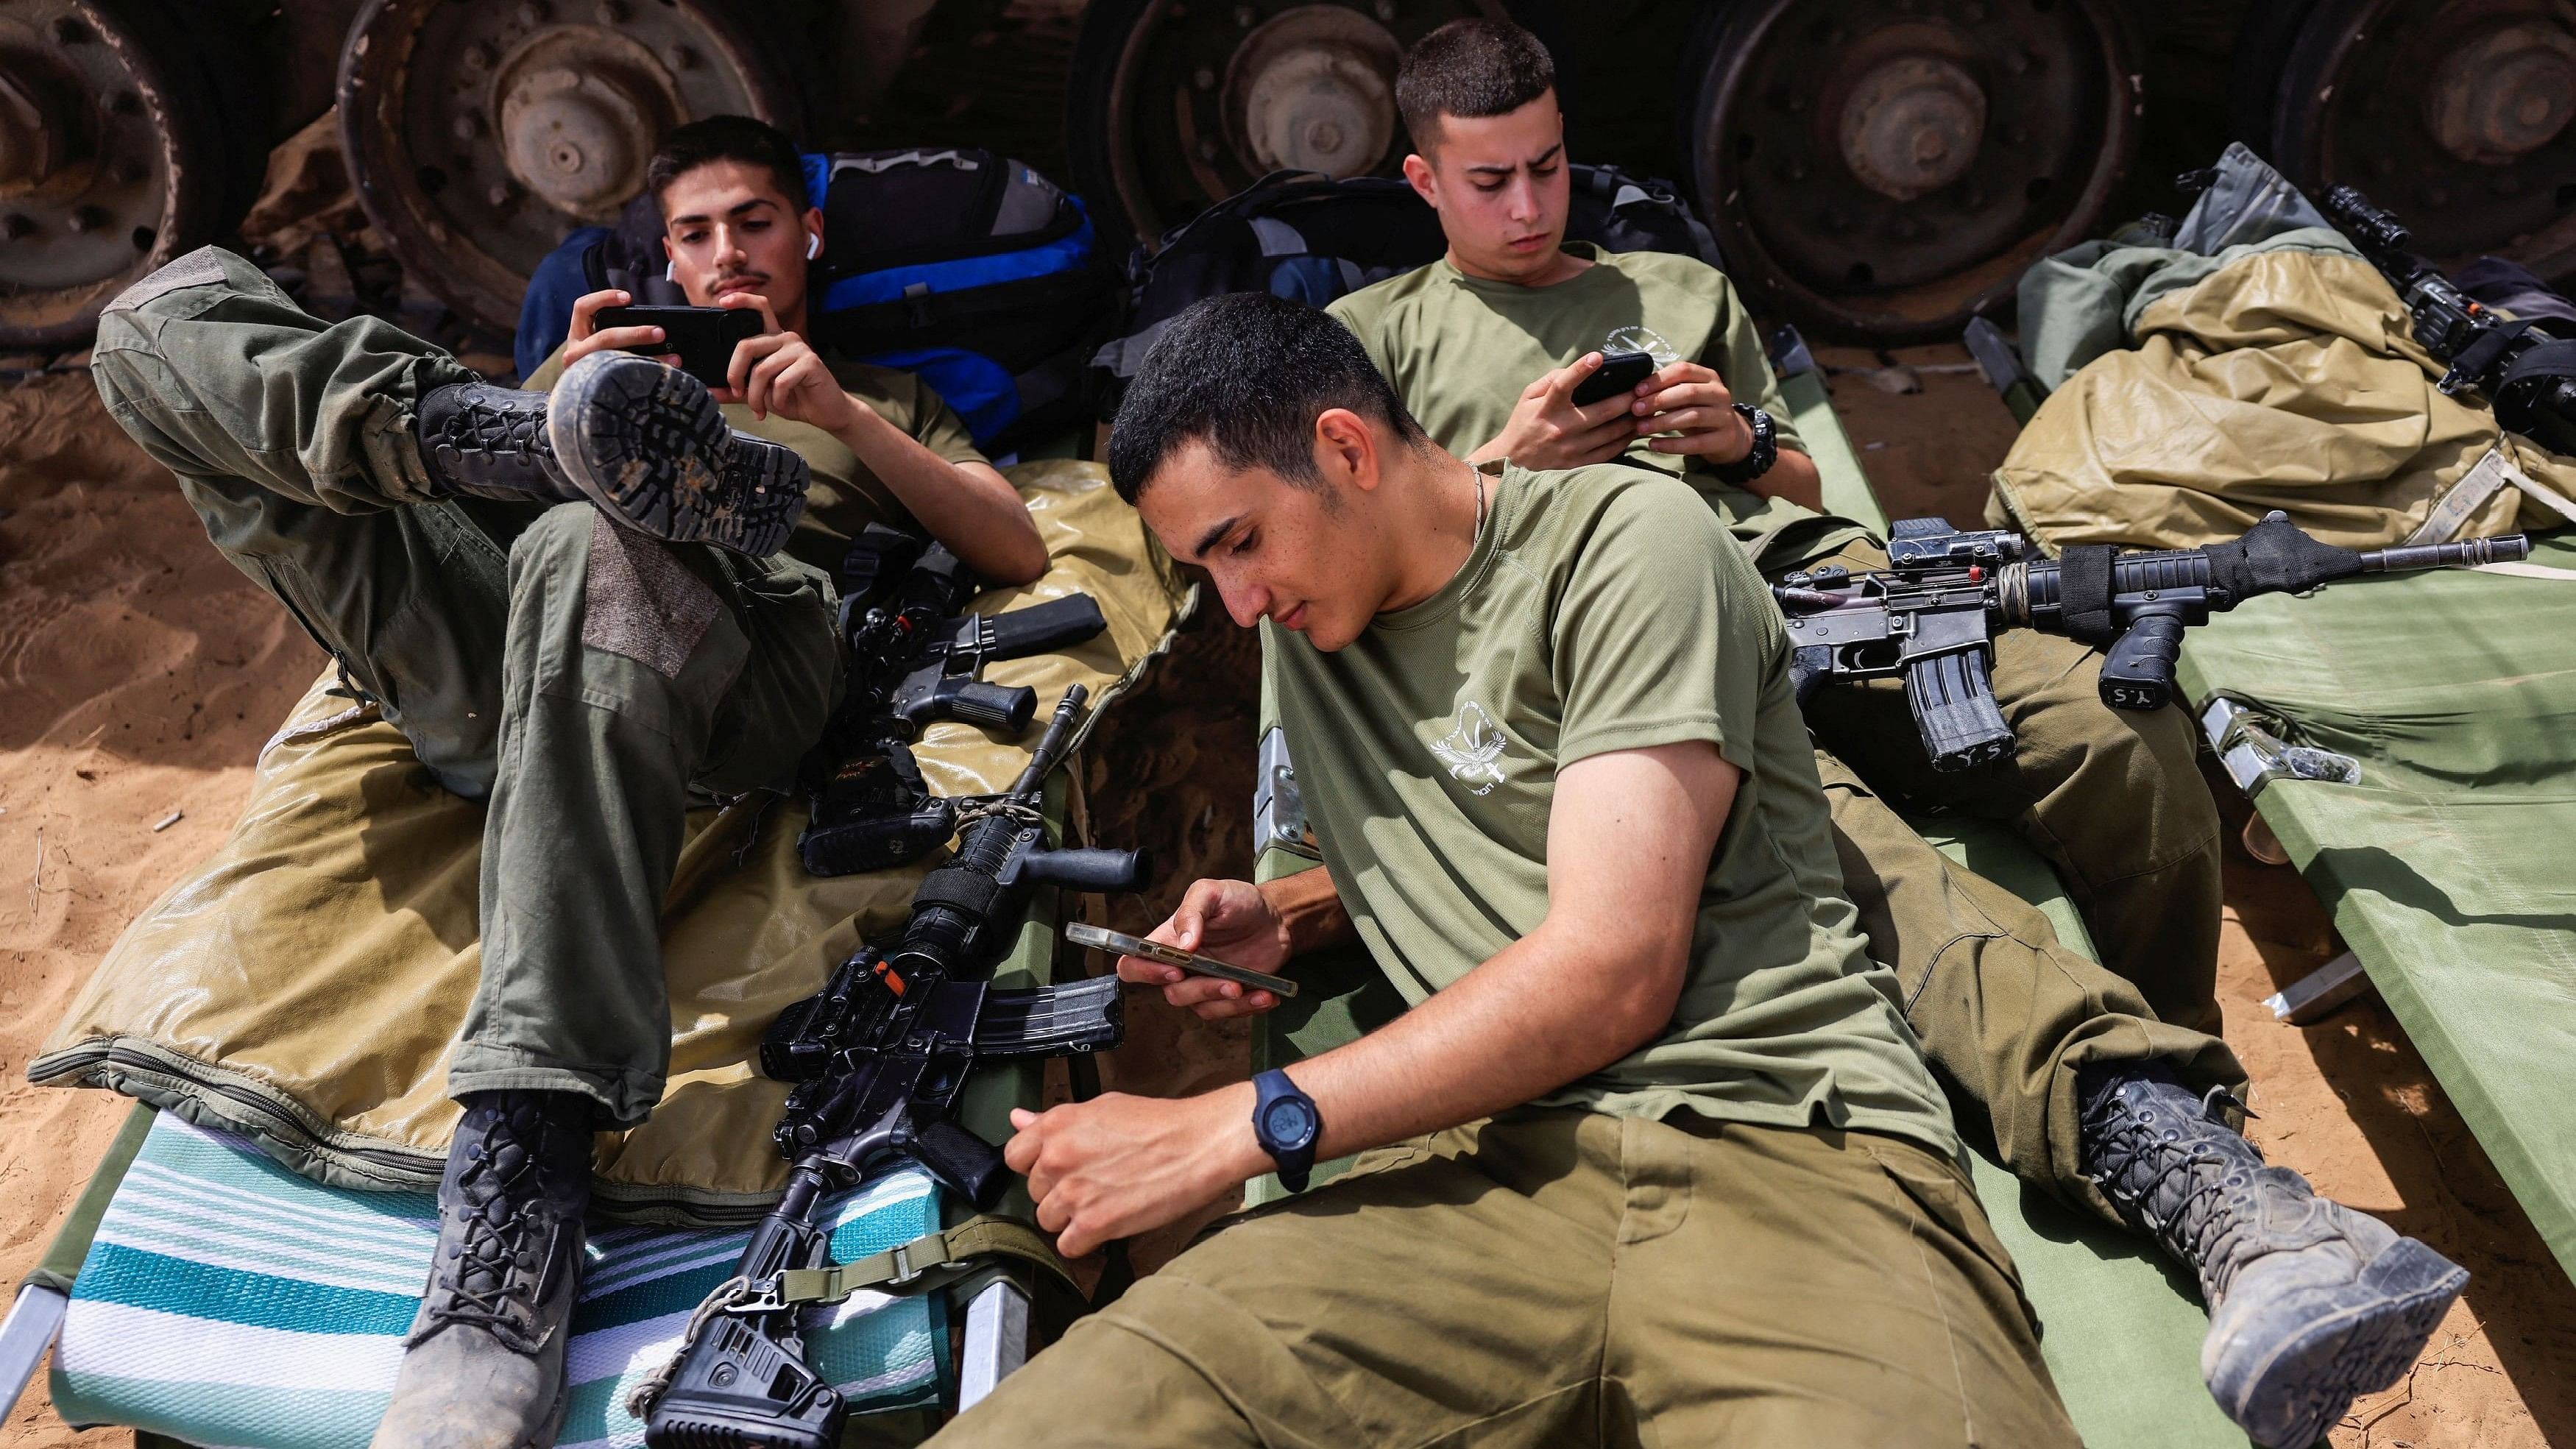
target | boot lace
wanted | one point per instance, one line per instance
(497, 1273)
(2178, 1190)
(500, 426)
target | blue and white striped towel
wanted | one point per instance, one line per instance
(227, 1301)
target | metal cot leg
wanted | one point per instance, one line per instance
(997, 1341)
(38, 1315)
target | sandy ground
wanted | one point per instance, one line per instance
(139, 675)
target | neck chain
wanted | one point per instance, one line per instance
(1476, 480)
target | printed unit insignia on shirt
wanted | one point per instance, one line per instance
(1470, 749)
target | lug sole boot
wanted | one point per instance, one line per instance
(483, 1366)
(648, 444)
(2311, 1304)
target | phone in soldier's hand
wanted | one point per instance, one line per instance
(1618, 372)
(704, 337)
(1082, 933)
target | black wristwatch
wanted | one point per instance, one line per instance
(1766, 449)
(1286, 1124)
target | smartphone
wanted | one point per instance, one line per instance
(1083, 934)
(1618, 373)
(704, 337)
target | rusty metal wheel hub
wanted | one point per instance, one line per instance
(1313, 89)
(2503, 93)
(1885, 168)
(92, 162)
(480, 133)
(1912, 126)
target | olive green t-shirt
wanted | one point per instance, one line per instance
(846, 496)
(1587, 620)
(1460, 349)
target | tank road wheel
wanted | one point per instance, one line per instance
(112, 160)
(2453, 115)
(1884, 169)
(1177, 103)
(478, 134)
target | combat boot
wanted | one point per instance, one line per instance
(644, 442)
(648, 444)
(2310, 1302)
(483, 1366)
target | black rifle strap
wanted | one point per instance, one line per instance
(2487, 348)
(2084, 593)
(2523, 383)
(969, 891)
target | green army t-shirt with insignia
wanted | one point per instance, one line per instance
(1460, 349)
(1587, 620)
(846, 495)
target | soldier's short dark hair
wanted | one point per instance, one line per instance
(1470, 69)
(728, 138)
(1247, 374)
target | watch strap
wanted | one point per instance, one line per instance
(1764, 453)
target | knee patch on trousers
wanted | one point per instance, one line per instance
(640, 602)
(196, 269)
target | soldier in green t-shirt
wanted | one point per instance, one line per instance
(1651, 1155)
(588, 607)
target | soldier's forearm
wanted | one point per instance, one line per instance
(1310, 910)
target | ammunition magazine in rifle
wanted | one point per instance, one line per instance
(878, 1060)
(1931, 617)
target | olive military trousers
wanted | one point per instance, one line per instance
(2113, 800)
(580, 678)
(1563, 1278)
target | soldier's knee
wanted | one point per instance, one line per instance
(561, 532)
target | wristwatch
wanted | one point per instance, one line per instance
(1766, 449)
(1286, 1124)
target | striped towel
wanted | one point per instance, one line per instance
(228, 1301)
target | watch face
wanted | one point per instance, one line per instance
(1289, 1123)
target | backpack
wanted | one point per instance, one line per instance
(969, 269)
(1303, 236)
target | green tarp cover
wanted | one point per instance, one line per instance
(2448, 867)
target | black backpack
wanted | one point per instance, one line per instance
(1300, 235)
(968, 268)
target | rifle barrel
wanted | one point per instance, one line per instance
(1059, 731)
(2467, 553)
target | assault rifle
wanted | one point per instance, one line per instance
(2528, 375)
(879, 1057)
(913, 659)
(1932, 616)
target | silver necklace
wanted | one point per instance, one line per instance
(1476, 480)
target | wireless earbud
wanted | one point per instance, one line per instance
(671, 271)
(813, 246)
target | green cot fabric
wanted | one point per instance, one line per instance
(2446, 867)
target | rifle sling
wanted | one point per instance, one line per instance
(968, 891)
(2084, 594)
(933, 1260)
(2487, 349)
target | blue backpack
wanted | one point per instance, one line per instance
(967, 268)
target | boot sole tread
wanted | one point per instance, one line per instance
(2297, 1394)
(649, 445)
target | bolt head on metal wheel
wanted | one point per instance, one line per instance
(1885, 169)
(479, 134)
(1175, 104)
(2454, 114)
(110, 161)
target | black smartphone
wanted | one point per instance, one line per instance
(1618, 372)
(704, 337)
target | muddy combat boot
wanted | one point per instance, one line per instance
(648, 444)
(644, 442)
(483, 1367)
(2310, 1302)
